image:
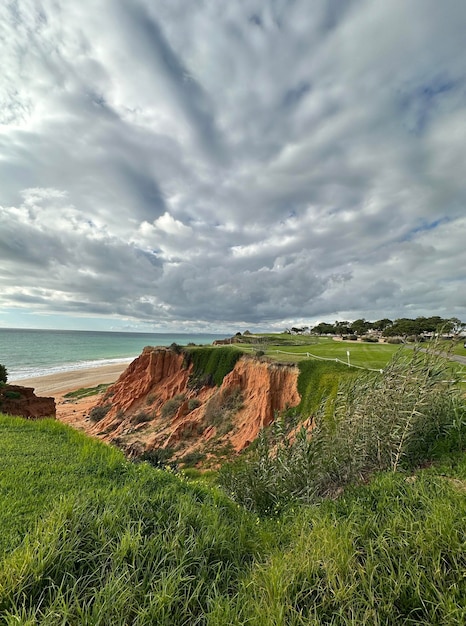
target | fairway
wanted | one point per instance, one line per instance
(367, 355)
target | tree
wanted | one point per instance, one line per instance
(342, 328)
(3, 374)
(456, 325)
(360, 326)
(382, 324)
(324, 329)
(403, 327)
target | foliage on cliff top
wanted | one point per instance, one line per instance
(318, 380)
(211, 364)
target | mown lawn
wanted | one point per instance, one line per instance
(89, 538)
(369, 355)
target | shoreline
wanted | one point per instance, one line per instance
(63, 382)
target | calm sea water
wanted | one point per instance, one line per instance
(29, 353)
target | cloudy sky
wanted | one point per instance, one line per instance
(210, 165)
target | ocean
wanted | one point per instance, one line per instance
(31, 353)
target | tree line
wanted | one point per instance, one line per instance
(403, 327)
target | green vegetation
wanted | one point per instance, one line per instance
(211, 364)
(318, 380)
(140, 417)
(172, 405)
(3, 374)
(368, 355)
(12, 395)
(400, 327)
(127, 545)
(98, 413)
(90, 538)
(41, 462)
(389, 553)
(368, 423)
(85, 392)
(221, 407)
(193, 403)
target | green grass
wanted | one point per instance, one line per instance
(318, 380)
(40, 462)
(85, 392)
(369, 355)
(211, 364)
(298, 347)
(457, 347)
(390, 553)
(89, 538)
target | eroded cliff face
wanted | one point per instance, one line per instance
(155, 405)
(23, 402)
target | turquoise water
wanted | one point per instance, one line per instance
(29, 353)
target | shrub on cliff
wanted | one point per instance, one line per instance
(3, 374)
(172, 405)
(98, 413)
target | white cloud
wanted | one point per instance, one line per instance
(254, 161)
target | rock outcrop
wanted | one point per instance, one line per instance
(23, 402)
(154, 405)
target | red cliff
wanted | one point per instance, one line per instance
(153, 406)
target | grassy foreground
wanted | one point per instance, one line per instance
(88, 538)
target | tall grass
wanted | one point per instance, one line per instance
(393, 420)
(386, 554)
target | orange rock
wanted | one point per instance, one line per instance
(23, 402)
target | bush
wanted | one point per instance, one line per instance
(171, 406)
(193, 403)
(140, 417)
(176, 348)
(221, 408)
(192, 458)
(395, 340)
(12, 395)
(151, 398)
(370, 339)
(98, 413)
(3, 374)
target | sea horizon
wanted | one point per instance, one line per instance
(31, 352)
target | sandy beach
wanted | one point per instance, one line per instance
(59, 384)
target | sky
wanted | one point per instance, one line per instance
(213, 166)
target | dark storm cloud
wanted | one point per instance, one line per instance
(255, 161)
